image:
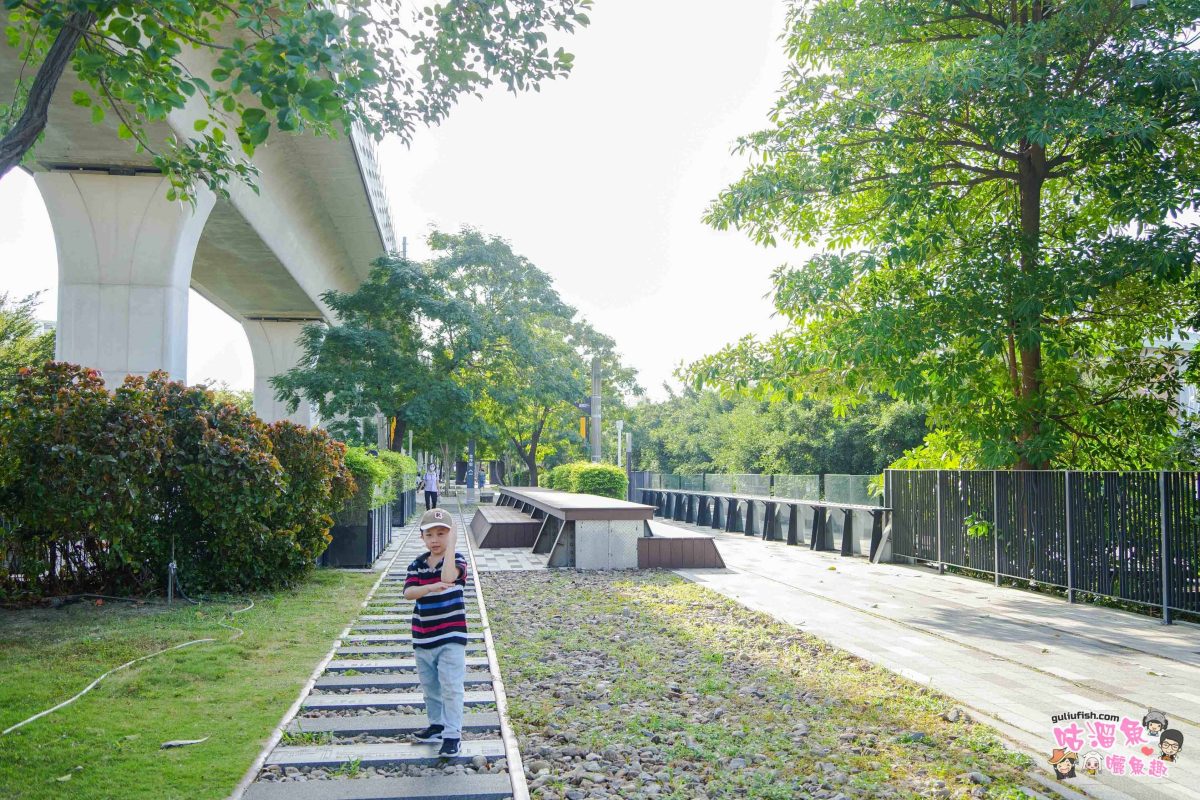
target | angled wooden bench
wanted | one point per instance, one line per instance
(678, 549)
(499, 526)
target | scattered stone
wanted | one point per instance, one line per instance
(640, 690)
(955, 714)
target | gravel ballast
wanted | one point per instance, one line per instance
(642, 685)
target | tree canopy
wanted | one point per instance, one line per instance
(702, 432)
(395, 347)
(248, 67)
(1001, 194)
(21, 344)
(475, 343)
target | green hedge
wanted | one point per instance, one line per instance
(374, 479)
(98, 488)
(586, 477)
(381, 476)
(404, 469)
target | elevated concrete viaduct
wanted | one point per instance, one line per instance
(127, 256)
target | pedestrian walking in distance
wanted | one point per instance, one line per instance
(436, 581)
(430, 482)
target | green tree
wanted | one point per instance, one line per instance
(253, 65)
(396, 347)
(696, 432)
(21, 345)
(241, 399)
(530, 393)
(531, 358)
(999, 188)
(505, 293)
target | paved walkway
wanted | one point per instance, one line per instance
(1013, 658)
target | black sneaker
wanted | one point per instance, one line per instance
(449, 748)
(431, 734)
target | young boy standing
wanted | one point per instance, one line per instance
(439, 629)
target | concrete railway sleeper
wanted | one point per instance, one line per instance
(347, 737)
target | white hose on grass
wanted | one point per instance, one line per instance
(238, 633)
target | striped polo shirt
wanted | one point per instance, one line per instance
(439, 617)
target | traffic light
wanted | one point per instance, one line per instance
(583, 428)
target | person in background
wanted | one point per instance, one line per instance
(430, 482)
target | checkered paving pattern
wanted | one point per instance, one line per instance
(508, 559)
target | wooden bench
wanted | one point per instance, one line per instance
(678, 549)
(590, 532)
(498, 526)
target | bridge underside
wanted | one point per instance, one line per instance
(127, 256)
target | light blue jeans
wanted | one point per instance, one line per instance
(441, 671)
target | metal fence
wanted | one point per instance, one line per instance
(1132, 536)
(834, 488)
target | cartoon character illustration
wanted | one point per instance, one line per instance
(1064, 762)
(1155, 722)
(1092, 762)
(1170, 742)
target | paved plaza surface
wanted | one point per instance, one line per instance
(508, 559)
(1011, 658)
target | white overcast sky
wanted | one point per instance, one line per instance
(601, 180)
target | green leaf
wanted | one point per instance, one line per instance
(252, 116)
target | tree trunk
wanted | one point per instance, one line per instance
(532, 463)
(32, 122)
(401, 430)
(531, 458)
(1032, 174)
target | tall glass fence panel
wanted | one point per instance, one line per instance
(758, 485)
(669, 481)
(721, 484)
(854, 489)
(798, 487)
(692, 482)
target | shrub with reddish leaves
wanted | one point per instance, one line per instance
(99, 488)
(77, 485)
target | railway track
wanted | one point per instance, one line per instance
(349, 736)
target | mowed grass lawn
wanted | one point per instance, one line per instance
(106, 745)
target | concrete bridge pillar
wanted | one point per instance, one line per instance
(125, 264)
(274, 344)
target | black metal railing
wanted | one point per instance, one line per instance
(1132, 536)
